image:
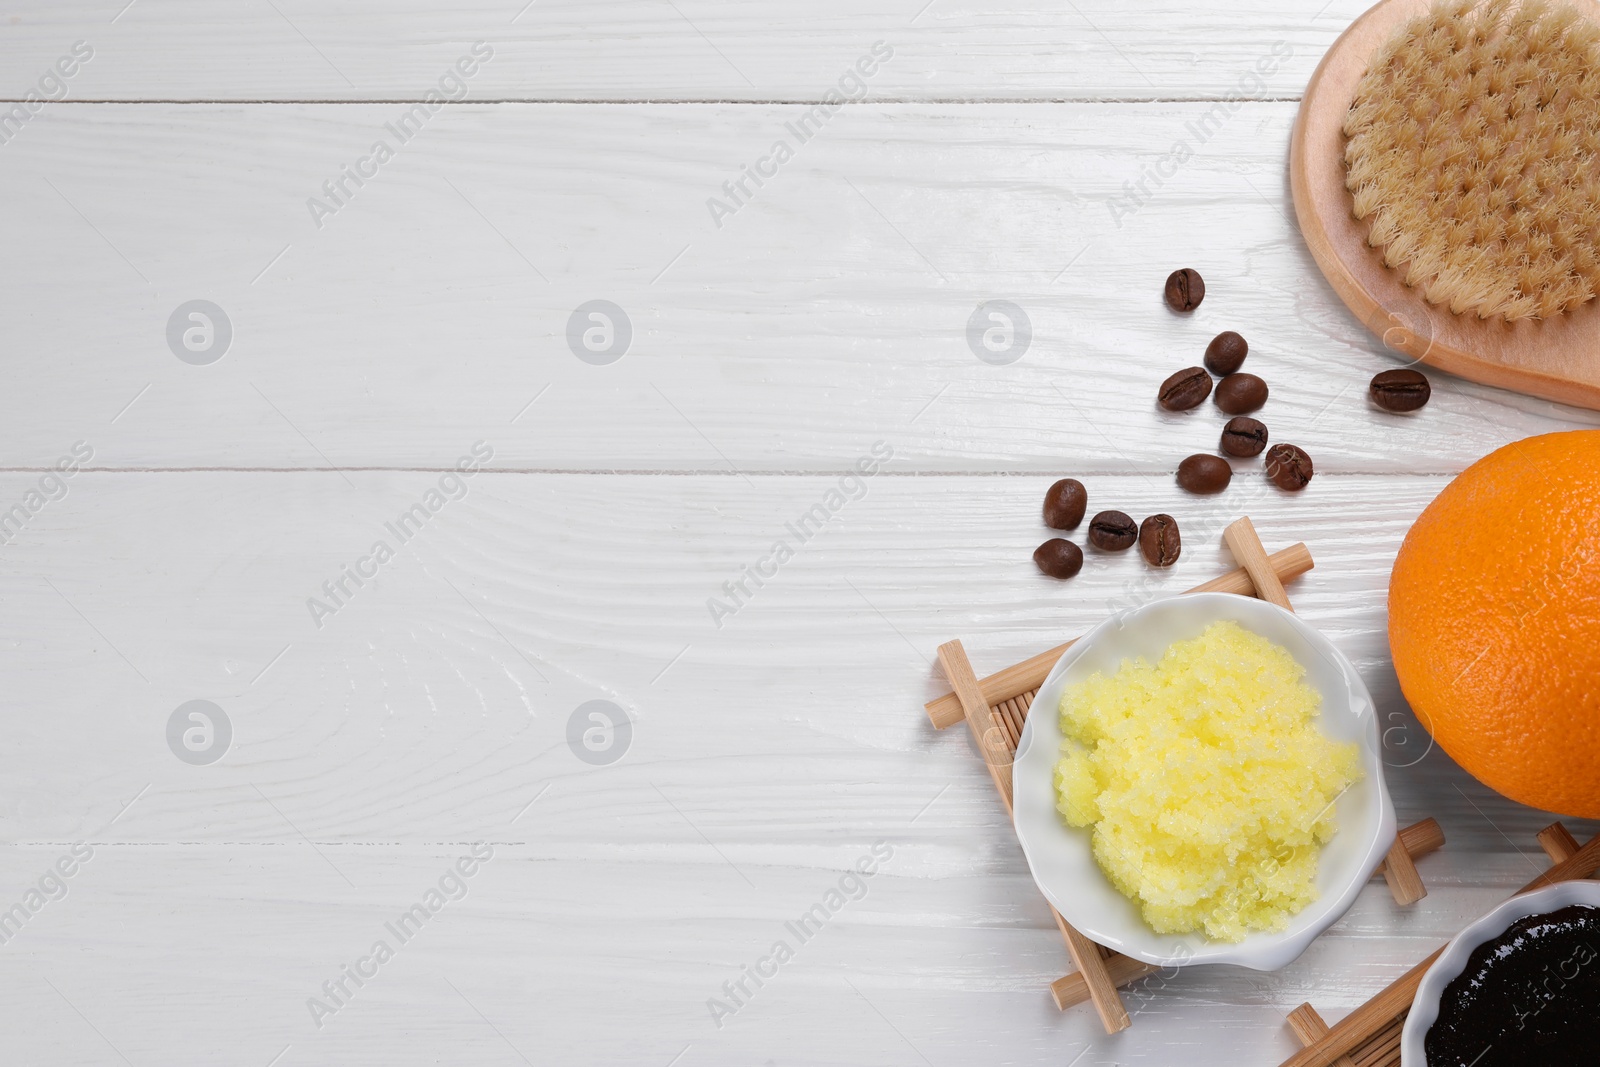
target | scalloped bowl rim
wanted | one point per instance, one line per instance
(1060, 857)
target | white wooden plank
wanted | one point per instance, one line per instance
(692, 49)
(445, 683)
(545, 952)
(600, 582)
(223, 972)
(829, 312)
(767, 758)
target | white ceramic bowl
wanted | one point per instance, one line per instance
(1060, 856)
(1453, 960)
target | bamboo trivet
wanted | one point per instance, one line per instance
(1370, 1035)
(996, 707)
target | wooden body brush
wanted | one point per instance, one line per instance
(1445, 167)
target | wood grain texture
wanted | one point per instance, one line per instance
(985, 735)
(688, 50)
(774, 744)
(1245, 544)
(1308, 1026)
(411, 724)
(1092, 967)
(1073, 989)
(1556, 359)
(1425, 836)
(1558, 842)
(829, 313)
(1400, 872)
(226, 563)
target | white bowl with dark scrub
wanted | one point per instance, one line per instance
(1532, 998)
(1060, 856)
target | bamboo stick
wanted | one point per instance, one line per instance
(1074, 988)
(1096, 975)
(1247, 548)
(1007, 711)
(1557, 842)
(1418, 839)
(959, 671)
(991, 741)
(1401, 874)
(1308, 1026)
(1021, 706)
(1421, 838)
(1383, 1049)
(1025, 702)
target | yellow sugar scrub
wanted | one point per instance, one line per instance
(1208, 786)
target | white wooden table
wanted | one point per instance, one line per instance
(377, 340)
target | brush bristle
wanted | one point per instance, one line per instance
(1473, 147)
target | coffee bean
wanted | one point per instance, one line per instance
(1159, 540)
(1244, 437)
(1113, 531)
(1185, 389)
(1185, 289)
(1240, 394)
(1289, 467)
(1064, 504)
(1401, 390)
(1059, 558)
(1225, 354)
(1204, 474)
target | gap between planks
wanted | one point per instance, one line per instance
(621, 101)
(673, 472)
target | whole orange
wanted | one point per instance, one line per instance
(1494, 621)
